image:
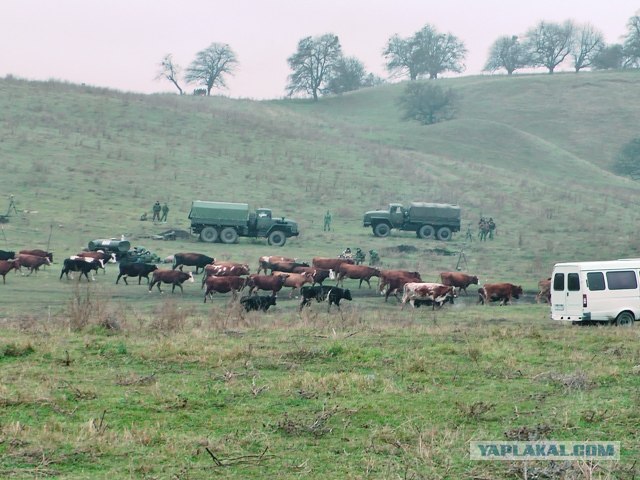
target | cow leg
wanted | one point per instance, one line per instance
(118, 279)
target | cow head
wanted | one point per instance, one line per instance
(190, 279)
(346, 294)
(516, 291)
(473, 280)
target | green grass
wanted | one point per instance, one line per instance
(372, 393)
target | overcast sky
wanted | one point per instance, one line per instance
(119, 43)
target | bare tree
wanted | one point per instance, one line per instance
(549, 44)
(211, 66)
(403, 57)
(169, 71)
(587, 43)
(427, 52)
(631, 47)
(507, 52)
(312, 64)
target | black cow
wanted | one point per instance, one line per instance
(5, 255)
(82, 265)
(322, 293)
(190, 259)
(135, 270)
(262, 302)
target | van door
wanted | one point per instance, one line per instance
(566, 295)
(573, 300)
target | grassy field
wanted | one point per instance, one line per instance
(110, 381)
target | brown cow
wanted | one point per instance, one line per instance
(458, 279)
(287, 266)
(266, 282)
(264, 263)
(294, 280)
(6, 266)
(190, 259)
(36, 252)
(433, 293)
(319, 274)
(330, 263)
(492, 292)
(175, 278)
(32, 262)
(395, 280)
(225, 269)
(357, 272)
(545, 291)
(227, 284)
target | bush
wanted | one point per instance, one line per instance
(427, 103)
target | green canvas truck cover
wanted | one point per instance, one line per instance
(439, 210)
(234, 212)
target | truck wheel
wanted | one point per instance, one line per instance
(625, 319)
(426, 232)
(228, 235)
(444, 234)
(209, 234)
(381, 230)
(277, 238)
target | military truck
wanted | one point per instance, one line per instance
(225, 222)
(428, 220)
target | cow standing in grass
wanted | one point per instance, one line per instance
(6, 266)
(173, 277)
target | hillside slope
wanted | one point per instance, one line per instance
(531, 151)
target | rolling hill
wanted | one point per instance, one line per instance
(531, 151)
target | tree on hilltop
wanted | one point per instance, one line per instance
(507, 53)
(211, 65)
(609, 57)
(169, 71)
(313, 63)
(350, 74)
(631, 45)
(427, 52)
(549, 44)
(587, 44)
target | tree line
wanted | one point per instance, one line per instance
(319, 67)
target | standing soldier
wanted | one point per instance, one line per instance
(492, 227)
(12, 204)
(469, 235)
(156, 211)
(374, 258)
(327, 221)
(360, 256)
(165, 212)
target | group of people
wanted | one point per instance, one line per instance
(157, 211)
(486, 228)
(359, 256)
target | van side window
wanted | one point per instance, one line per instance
(595, 281)
(573, 282)
(558, 282)
(625, 280)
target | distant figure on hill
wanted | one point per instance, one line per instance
(144, 217)
(156, 211)
(165, 212)
(469, 234)
(492, 226)
(327, 222)
(12, 204)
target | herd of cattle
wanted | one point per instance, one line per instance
(278, 272)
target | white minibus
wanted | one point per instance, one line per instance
(606, 291)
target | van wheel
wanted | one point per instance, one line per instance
(427, 232)
(625, 319)
(209, 234)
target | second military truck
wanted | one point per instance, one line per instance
(225, 222)
(428, 220)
